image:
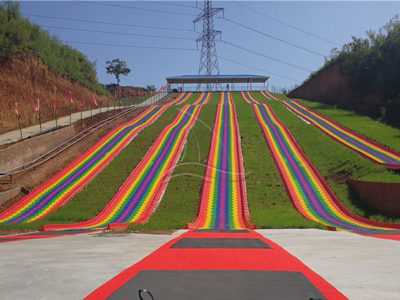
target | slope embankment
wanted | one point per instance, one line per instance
(23, 80)
(332, 87)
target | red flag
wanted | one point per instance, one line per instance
(37, 107)
(108, 100)
(16, 110)
(70, 97)
(134, 93)
(54, 104)
(120, 93)
(94, 101)
(130, 92)
(115, 94)
(163, 87)
(124, 93)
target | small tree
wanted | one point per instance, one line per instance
(151, 88)
(117, 67)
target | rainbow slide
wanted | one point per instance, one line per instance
(203, 98)
(64, 185)
(181, 98)
(140, 194)
(223, 202)
(307, 189)
(367, 148)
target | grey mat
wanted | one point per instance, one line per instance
(220, 243)
(222, 230)
(378, 232)
(10, 239)
(219, 284)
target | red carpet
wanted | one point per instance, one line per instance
(267, 259)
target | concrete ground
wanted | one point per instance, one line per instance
(358, 266)
(71, 267)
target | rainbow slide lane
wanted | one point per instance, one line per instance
(367, 148)
(219, 258)
(140, 194)
(307, 189)
(181, 98)
(223, 203)
(203, 98)
(64, 185)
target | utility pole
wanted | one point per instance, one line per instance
(208, 57)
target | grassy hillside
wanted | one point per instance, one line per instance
(268, 202)
(93, 198)
(181, 200)
(335, 162)
(365, 72)
(20, 38)
(381, 133)
(35, 65)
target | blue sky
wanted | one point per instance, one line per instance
(335, 21)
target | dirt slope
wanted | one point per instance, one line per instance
(332, 87)
(25, 80)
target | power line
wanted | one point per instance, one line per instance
(171, 4)
(119, 33)
(287, 24)
(256, 68)
(266, 56)
(107, 23)
(139, 8)
(130, 46)
(274, 37)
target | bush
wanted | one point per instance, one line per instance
(373, 66)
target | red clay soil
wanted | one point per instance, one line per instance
(381, 196)
(33, 178)
(25, 80)
(332, 87)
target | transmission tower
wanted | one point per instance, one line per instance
(208, 56)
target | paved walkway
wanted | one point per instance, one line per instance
(14, 136)
(71, 267)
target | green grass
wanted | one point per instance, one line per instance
(180, 203)
(268, 202)
(381, 133)
(94, 197)
(335, 162)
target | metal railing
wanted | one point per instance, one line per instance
(78, 137)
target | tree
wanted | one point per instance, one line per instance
(117, 67)
(150, 88)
